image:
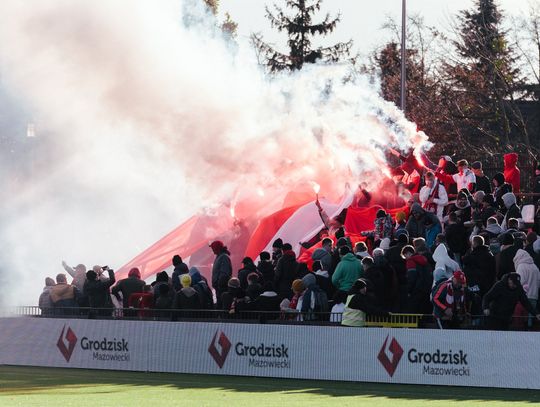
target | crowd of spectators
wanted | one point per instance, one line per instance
(460, 252)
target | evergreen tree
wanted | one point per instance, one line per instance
(484, 78)
(228, 26)
(300, 30)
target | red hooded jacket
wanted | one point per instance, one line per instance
(511, 171)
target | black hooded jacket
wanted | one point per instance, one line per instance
(501, 300)
(286, 272)
(479, 268)
(97, 291)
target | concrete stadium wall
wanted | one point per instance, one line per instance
(459, 358)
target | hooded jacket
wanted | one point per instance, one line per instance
(266, 269)
(179, 269)
(221, 271)
(347, 272)
(528, 272)
(187, 298)
(443, 261)
(417, 228)
(324, 257)
(494, 230)
(286, 272)
(268, 301)
(446, 296)
(511, 171)
(502, 188)
(501, 300)
(313, 296)
(98, 291)
(456, 238)
(45, 302)
(127, 286)
(397, 262)
(419, 278)
(201, 286)
(479, 268)
(390, 281)
(512, 210)
(244, 272)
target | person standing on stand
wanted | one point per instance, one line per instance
(221, 269)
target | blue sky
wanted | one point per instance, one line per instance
(361, 19)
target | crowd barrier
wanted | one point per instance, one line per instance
(386, 355)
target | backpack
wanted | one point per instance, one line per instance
(319, 304)
(205, 296)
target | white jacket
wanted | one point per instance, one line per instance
(441, 201)
(529, 273)
(444, 262)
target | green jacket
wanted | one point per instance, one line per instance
(347, 272)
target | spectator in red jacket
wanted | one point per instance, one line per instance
(511, 171)
(449, 301)
(445, 172)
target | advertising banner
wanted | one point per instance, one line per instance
(451, 357)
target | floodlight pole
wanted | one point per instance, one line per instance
(403, 56)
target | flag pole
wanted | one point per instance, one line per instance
(403, 56)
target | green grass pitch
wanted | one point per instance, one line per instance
(33, 386)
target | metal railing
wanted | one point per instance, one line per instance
(394, 320)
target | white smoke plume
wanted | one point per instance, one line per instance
(143, 121)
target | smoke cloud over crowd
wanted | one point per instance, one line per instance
(142, 119)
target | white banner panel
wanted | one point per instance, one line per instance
(460, 358)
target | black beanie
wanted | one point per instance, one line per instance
(507, 239)
(342, 241)
(264, 256)
(91, 275)
(499, 177)
(278, 243)
(403, 238)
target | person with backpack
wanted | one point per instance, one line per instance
(315, 301)
(419, 281)
(449, 301)
(324, 280)
(199, 284)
